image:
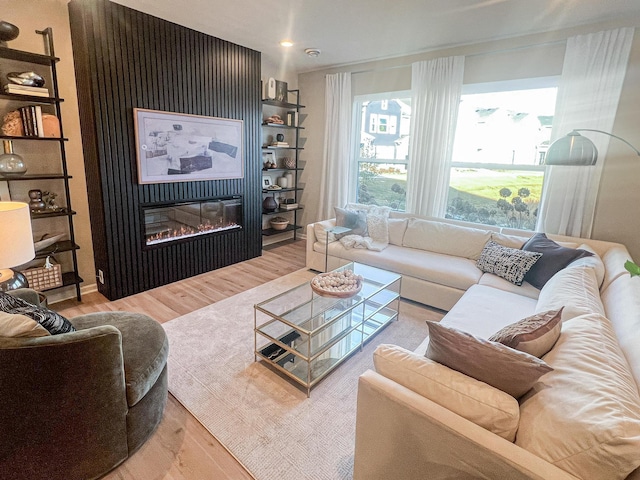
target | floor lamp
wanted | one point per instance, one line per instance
(16, 243)
(576, 150)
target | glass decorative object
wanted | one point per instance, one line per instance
(11, 164)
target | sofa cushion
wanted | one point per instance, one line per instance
(476, 401)
(444, 238)
(535, 335)
(508, 263)
(575, 289)
(526, 289)
(397, 227)
(437, 268)
(320, 231)
(378, 224)
(554, 258)
(52, 321)
(144, 348)
(594, 261)
(356, 220)
(20, 326)
(501, 367)
(511, 241)
(584, 417)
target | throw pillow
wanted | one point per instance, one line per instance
(476, 401)
(535, 335)
(15, 326)
(53, 322)
(378, 224)
(554, 258)
(509, 263)
(502, 367)
(356, 220)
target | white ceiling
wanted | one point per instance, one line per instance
(350, 31)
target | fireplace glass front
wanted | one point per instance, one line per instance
(183, 220)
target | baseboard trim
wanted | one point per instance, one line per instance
(69, 293)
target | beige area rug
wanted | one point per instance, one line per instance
(265, 420)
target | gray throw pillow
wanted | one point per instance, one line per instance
(535, 335)
(356, 220)
(52, 321)
(554, 258)
(509, 263)
(495, 364)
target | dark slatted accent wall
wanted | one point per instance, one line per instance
(126, 59)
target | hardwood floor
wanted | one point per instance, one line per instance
(181, 448)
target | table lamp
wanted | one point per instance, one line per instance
(16, 243)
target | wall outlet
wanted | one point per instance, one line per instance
(100, 276)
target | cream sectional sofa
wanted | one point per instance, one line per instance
(417, 419)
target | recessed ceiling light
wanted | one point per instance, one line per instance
(286, 43)
(312, 52)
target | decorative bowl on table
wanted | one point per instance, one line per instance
(279, 223)
(342, 284)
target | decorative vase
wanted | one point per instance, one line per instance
(282, 182)
(269, 204)
(11, 164)
(36, 204)
(289, 177)
(8, 31)
(290, 163)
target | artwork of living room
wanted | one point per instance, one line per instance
(319, 240)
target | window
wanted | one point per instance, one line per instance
(381, 149)
(502, 135)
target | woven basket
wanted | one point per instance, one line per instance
(41, 278)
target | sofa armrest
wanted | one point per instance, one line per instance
(26, 294)
(64, 399)
(400, 434)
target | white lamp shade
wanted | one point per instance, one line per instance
(573, 150)
(16, 238)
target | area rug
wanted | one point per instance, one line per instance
(262, 418)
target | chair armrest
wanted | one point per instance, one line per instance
(26, 294)
(401, 434)
(64, 401)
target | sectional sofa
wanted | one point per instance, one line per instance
(419, 419)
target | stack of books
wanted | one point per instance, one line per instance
(279, 144)
(16, 89)
(288, 206)
(31, 117)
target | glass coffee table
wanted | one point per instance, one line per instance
(306, 336)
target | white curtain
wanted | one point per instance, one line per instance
(436, 86)
(592, 76)
(334, 179)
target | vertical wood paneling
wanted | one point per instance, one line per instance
(126, 59)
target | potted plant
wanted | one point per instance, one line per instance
(632, 268)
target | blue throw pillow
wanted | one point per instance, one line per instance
(356, 220)
(52, 321)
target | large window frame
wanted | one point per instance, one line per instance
(392, 128)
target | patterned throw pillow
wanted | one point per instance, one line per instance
(508, 263)
(535, 335)
(52, 321)
(356, 220)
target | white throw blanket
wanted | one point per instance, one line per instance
(358, 241)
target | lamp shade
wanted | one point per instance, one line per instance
(16, 238)
(573, 150)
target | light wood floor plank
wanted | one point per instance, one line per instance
(181, 448)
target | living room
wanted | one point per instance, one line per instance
(538, 54)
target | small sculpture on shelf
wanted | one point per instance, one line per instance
(36, 204)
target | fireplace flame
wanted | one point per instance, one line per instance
(186, 231)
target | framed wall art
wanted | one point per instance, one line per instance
(178, 147)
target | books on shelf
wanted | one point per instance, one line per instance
(288, 206)
(292, 118)
(279, 144)
(26, 90)
(31, 117)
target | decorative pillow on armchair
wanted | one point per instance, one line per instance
(509, 263)
(52, 321)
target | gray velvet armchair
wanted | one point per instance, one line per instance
(76, 405)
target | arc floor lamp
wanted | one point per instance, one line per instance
(576, 150)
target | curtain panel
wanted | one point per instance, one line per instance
(592, 76)
(334, 179)
(436, 87)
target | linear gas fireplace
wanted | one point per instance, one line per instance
(184, 220)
